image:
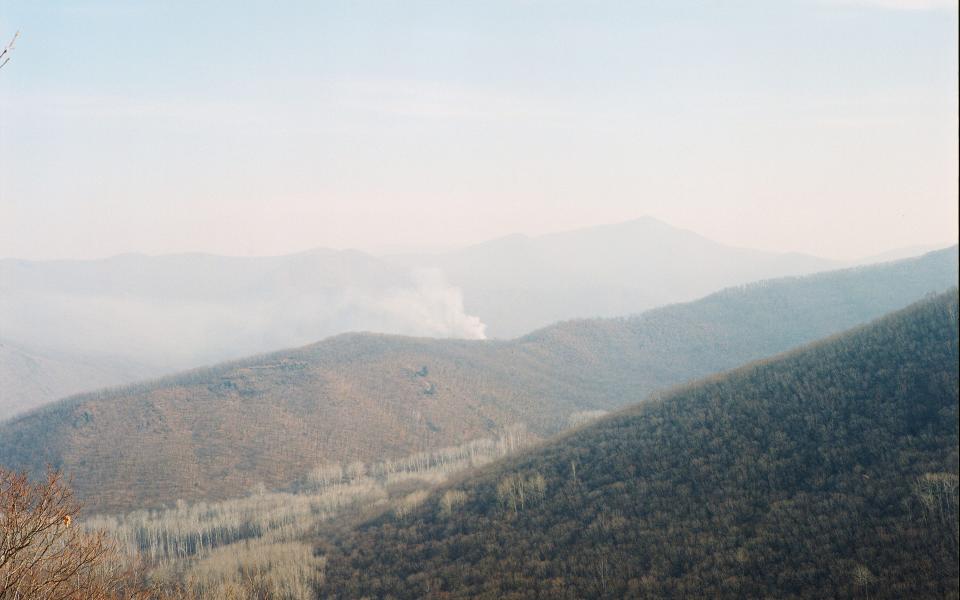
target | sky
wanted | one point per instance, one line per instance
(257, 128)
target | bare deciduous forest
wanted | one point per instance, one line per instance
(829, 472)
(262, 543)
(213, 434)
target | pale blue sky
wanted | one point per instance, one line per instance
(823, 126)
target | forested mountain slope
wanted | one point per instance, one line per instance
(214, 433)
(828, 472)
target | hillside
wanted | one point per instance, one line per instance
(30, 377)
(828, 472)
(176, 312)
(215, 433)
(519, 283)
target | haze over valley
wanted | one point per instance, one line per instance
(74, 326)
(479, 300)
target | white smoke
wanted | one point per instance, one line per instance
(170, 329)
(433, 308)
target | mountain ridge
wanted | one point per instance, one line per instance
(173, 312)
(216, 432)
(515, 282)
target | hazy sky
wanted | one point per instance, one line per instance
(823, 126)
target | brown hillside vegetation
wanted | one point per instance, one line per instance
(215, 433)
(829, 472)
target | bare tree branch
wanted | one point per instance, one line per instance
(8, 50)
(44, 555)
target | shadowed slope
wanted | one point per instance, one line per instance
(828, 472)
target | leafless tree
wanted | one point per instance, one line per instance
(44, 555)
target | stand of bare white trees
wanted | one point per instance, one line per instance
(217, 549)
(940, 503)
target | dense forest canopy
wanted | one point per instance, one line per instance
(829, 472)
